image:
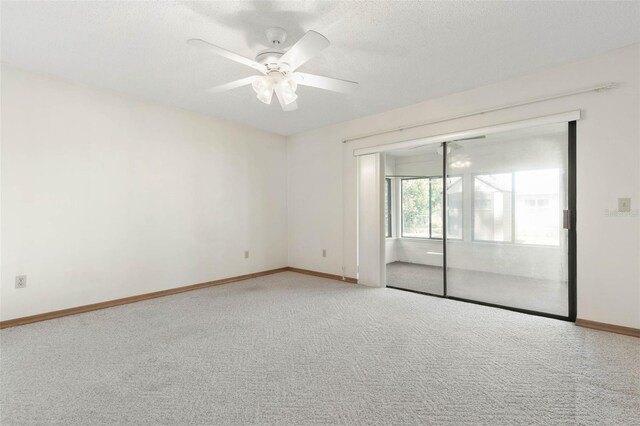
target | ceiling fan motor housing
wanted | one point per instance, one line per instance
(269, 56)
(276, 36)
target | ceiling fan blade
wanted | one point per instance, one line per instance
(468, 139)
(292, 106)
(306, 48)
(453, 146)
(227, 54)
(233, 84)
(327, 83)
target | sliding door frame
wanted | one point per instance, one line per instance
(571, 237)
(572, 186)
(445, 211)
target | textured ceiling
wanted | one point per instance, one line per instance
(399, 52)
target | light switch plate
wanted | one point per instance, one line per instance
(624, 205)
(21, 281)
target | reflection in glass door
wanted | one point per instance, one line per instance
(515, 248)
(414, 247)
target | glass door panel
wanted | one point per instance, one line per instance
(414, 250)
(506, 244)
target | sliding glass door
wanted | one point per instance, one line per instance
(515, 248)
(507, 238)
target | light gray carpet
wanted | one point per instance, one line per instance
(295, 349)
(500, 289)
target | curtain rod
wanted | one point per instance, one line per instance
(599, 88)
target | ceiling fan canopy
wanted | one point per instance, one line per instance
(278, 68)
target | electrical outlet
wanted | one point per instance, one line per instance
(21, 281)
(246, 254)
(624, 205)
(324, 252)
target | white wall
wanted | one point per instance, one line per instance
(105, 196)
(322, 179)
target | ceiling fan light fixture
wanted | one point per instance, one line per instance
(288, 92)
(289, 83)
(265, 96)
(263, 88)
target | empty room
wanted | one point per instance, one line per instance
(319, 212)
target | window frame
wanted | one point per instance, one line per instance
(473, 207)
(513, 239)
(430, 179)
(462, 209)
(388, 206)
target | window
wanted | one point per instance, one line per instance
(492, 207)
(521, 207)
(415, 208)
(387, 208)
(422, 207)
(537, 207)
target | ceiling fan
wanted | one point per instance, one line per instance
(451, 145)
(278, 68)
